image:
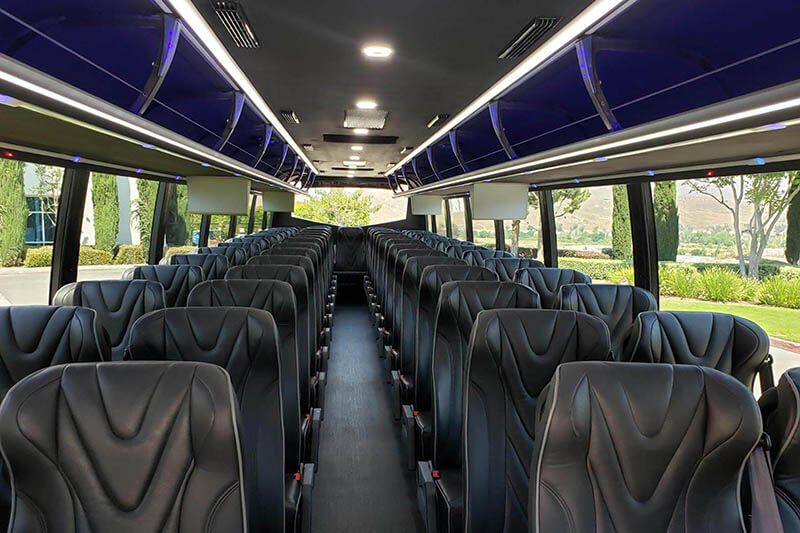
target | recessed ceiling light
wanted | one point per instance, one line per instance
(351, 175)
(377, 51)
(355, 157)
(354, 163)
(361, 131)
(357, 148)
(366, 104)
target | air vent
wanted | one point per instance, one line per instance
(290, 116)
(359, 139)
(359, 169)
(374, 119)
(235, 21)
(530, 35)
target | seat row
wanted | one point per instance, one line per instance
(265, 324)
(425, 304)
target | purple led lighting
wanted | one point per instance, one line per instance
(529, 172)
(138, 170)
(535, 186)
(4, 99)
(76, 159)
(148, 146)
(577, 180)
(651, 173)
(205, 165)
(760, 161)
(177, 177)
(602, 159)
(237, 174)
(775, 126)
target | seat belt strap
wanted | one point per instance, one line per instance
(766, 518)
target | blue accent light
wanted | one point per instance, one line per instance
(577, 180)
(205, 165)
(177, 177)
(237, 175)
(148, 146)
(651, 173)
(775, 126)
(535, 186)
(4, 99)
(138, 170)
(601, 159)
(760, 161)
(76, 159)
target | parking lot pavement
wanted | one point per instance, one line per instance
(27, 286)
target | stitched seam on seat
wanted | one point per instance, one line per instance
(562, 504)
(551, 410)
(218, 503)
(795, 424)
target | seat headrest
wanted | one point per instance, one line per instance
(214, 265)
(177, 280)
(548, 282)
(506, 267)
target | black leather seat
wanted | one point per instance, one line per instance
(507, 267)
(781, 416)
(243, 341)
(177, 280)
(214, 265)
(350, 250)
(460, 303)
(616, 305)
(237, 255)
(118, 303)
(548, 282)
(401, 262)
(725, 342)
(638, 447)
(417, 418)
(478, 257)
(125, 447)
(457, 250)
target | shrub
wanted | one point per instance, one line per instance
(679, 280)
(585, 254)
(597, 269)
(792, 251)
(130, 254)
(93, 256)
(722, 285)
(666, 215)
(39, 257)
(780, 292)
(105, 203)
(13, 213)
(623, 276)
(143, 209)
(180, 250)
(620, 224)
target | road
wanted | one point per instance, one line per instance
(25, 286)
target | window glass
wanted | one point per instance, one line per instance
(594, 232)
(350, 206)
(441, 223)
(523, 237)
(708, 262)
(458, 218)
(183, 228)
(117, 222)
(220, 224)
(29, 196)
(484, 234)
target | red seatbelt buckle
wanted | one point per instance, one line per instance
(297, 476)
(435, 474)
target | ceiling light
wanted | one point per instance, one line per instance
(192, 18)
(357, 148)
(366, 104)
(438, 119)
(355, 157)
(361, 131)
(377, 51)
(354, 163)
(564, 37)
(406, 149)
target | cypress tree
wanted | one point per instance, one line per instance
(105, 202)
(793, 226)
(665, 203)
(621, 244)
(13, 212)
(145, 207)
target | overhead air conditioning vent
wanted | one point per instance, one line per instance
(373, 119)
(530, 35)
(359, 139)
(235, 21)
(290, 116)
(350, 169)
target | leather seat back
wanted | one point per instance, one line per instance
(782, 424)
(616, 305)
(412, 276)
(243, 341)
(725, 342)
(214, 265)
(397, 287)
(237, 255)
(389, 276)
(641, 447)
(513, 354)
(459, 305)
(276, 298)
(350, 251)
(478, 257)
(118, 303)
(139, 446)
(430, 286)
(507, 267)
(33, 337)
(457, 250)
(177, 280)
(548, 282)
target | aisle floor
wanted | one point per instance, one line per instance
(361, 484)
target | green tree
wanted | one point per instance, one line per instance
(793, 224)
(143, 210)
(665, 203)
(105, 202)
(337, 207)
(179, 221)
(621, 243)
(13, 212)
(565, 202)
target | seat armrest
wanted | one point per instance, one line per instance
(426, 495)
(396, 404)
(307, 493)
(409, 432)
(316, 426)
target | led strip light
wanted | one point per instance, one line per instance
(586, 20)
(192, 17)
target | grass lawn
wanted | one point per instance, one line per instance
(778, 322)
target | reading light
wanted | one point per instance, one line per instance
(366, 104)
(138, 170)
(357, 148)
(651, 173)
(192, 18)
(205, 165)
(76, 159)
(760, 161)
(148, 146)
(361, 131)
(377, 51)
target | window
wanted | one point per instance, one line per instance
(484, 234)
(350, 206)
(220, 224)
(701, 267)
(117, 224)
(441, 222)
(524, 237)
(183, 228)
(29, 196)
(458, 218)
(594, 232)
